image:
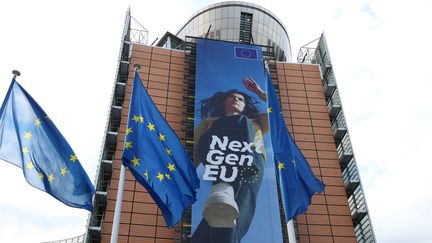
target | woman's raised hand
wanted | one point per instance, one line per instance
(251, 85)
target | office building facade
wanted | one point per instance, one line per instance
(311, 108)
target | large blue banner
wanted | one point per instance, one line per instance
(237, 200)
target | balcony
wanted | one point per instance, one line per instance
(333, 108)
(358, 214)
(100, 198)
(123, 71)
(363, 231)
(339, 127)
(329, 84)
(329, 88)
(119, 92)
(350, 177)
(326, 68)
(115, 114)
(357, 205)
(344, 154)
(95, 228)
(334, 104)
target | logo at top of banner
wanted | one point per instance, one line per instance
(246, 53)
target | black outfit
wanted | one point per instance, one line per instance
(246, 184)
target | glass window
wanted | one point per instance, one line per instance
(266, 20)
(224, 12)
(223, 35)
(218, 24)
(218, 34)
(200, 19)
(224, 23)
(255, 26)
(261, 17)
(260, 29)
(218, 13)
(236, 33)
(201, 29)
(274, 24)
(236, 12)
(237, 23)
(230, 34)
(260, 40)
(230, 12)
(230, 23)
(195, 23)
(245, 27)
(206, 17)
(211, 15)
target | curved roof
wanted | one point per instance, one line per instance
(235, 4)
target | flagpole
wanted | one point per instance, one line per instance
(291, 231)
(120, 189)
(290, 223)
(117, 210)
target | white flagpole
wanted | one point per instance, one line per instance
(291, 231)
(120, 189)
(117, 211)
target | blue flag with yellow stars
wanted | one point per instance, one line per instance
(297, 181)
(155, 156)
(30, 140)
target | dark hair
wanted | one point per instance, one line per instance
(214, 106)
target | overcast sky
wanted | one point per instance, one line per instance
(67, 53)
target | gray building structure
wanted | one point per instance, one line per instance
(244, 23)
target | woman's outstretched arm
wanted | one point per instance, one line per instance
(251, 85)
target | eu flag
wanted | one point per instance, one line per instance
(297, 181)
(246, 53)
(153, 153)
(30, 140)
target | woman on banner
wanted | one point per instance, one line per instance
(229, 143)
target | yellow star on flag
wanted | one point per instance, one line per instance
(51, 178)
(136, 118)
(269, 110)
(30, 165)
(146, 174)
(281, 165)
(47, 117)
(135, 161)
(25, 150)
(171, 167)
(73, 158)
(27, 134)
(141, 119)
(168, 151)
(168, 176)
(129, 130)
(151, 126)
(41, 175)
(128, 145)
(160, 176)
(161, 137)
(63, 171)
(37, 122)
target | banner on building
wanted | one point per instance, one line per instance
(237, 200)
